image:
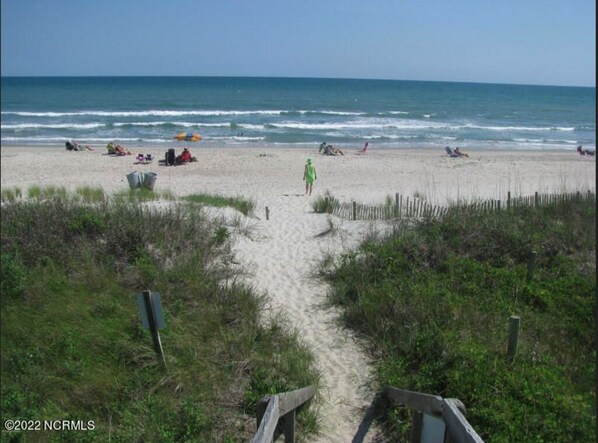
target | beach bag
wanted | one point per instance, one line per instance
(70, 146)
(170, 157)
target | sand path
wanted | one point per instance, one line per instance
(281, 262)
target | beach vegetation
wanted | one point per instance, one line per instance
(325, 204)
(47, 192)
(142, 195)
(89, 194)
(11, 194)
(241, 204)
(433, 301)
(73, 346)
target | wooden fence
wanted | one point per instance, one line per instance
(418, 208)
(435, 419)
(282, 407)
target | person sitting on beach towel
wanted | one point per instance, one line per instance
(185, 157)
(459, 153)
(585, 151)
(450, 152)
(331, 150)
(364, 149)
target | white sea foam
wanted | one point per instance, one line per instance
(175, 113)
(53, 126)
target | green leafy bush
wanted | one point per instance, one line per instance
(434, 301)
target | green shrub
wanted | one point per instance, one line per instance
(73, 346)
(435, 299)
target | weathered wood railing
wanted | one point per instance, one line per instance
(435, 419)
(273, 408)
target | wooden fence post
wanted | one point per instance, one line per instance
(289, 426)
(509, 200)
(267, 213)
(354, 210)
(153, 327)
(513, 337)
(397, 205)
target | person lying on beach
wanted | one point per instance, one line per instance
(585, 151)
(119, 150)
(116, 149)
(74, 146)
(459, 153)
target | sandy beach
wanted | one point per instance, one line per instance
(281, 253)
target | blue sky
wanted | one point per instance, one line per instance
(547, 42)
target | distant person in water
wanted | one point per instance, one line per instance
(309, 176)
(585, 151)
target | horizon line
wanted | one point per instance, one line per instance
(293, 77)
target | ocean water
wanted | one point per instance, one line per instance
(303, 112)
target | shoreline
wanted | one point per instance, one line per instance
(209, 145)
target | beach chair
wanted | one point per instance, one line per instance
(450, 152)
(170, 157)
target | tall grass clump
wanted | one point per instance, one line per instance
(325, 204)
(47, 192)
(90, 194)
(434, 301)
(11, 194)
(73, 346)
(142, 195)
(244, 206)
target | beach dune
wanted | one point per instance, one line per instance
(284, 251)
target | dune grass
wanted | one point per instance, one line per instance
(246, 207)
(73, 347)
(11, 194)
(434, 299)
(89, 194)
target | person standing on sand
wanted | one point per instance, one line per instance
(309, 176)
